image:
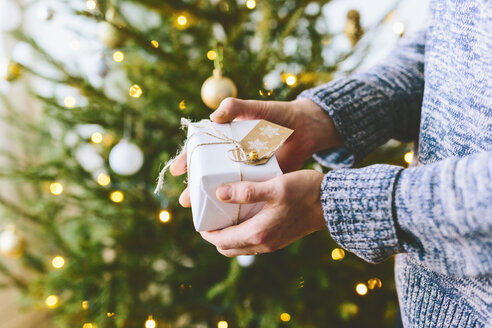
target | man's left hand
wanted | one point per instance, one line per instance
(292, 211)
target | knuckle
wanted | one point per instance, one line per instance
(221, 245)
(247, 193)
(280, 190)
(259, 238)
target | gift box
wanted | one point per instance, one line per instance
(213, 154)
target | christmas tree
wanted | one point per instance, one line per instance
(100, 249)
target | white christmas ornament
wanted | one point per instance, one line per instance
(89, 158)
(11, 244)
(126, 158)
(245, 260)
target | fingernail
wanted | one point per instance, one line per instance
(224, 192)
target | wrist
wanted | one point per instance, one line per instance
(319, 218)
(317, 124)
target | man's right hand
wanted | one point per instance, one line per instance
(313, 130)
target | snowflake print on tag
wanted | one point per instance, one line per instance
(269, 131)
(264, 139)
(257, 145)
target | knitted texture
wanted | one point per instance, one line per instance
(435, 89)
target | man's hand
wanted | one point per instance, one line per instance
(313, 130)
(292, 211)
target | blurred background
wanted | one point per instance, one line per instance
(91, 96)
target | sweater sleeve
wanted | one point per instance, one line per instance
(371, 107)
(441, 213)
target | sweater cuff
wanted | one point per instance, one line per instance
(353, 105)
(359, 210)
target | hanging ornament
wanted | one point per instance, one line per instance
(245, 260)
(126, 158)
(217, 87)
(109, 35)
(113, 17)
(108, 30)
(353, 29)
(11, 243)
(88, 158)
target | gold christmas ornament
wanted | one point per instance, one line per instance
(217, 88)
(11, 243)
(353, 29)
(113, 17)
(109, 35)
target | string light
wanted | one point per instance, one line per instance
(399, 28)
(91, 4)
(85, 305)
(408, 157)
(265, 93)
(88, 325)
(374, 283)
(97, 137)
(103, 179)
(150, 323)
(51, 301)
(290, 80)
(117, 196)
(337, 254)
(135, 91)
(69, 101)
(58, 262)
(182, 105)
(154, 44)
(56, 188)
(211, 55)
(118, 56)
(222, 324)
(164, 216)
(285, 317)
(251, 4)
(182, 20)
(361, 289)
(349, 310)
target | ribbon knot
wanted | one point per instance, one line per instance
(236, 154)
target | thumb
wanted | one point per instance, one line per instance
(232, 108)
(246, 192)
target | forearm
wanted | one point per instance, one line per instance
(372, 107)
(438, 213)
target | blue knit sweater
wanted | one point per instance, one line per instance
(435, 89)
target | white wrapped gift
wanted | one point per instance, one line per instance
(211, 164)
